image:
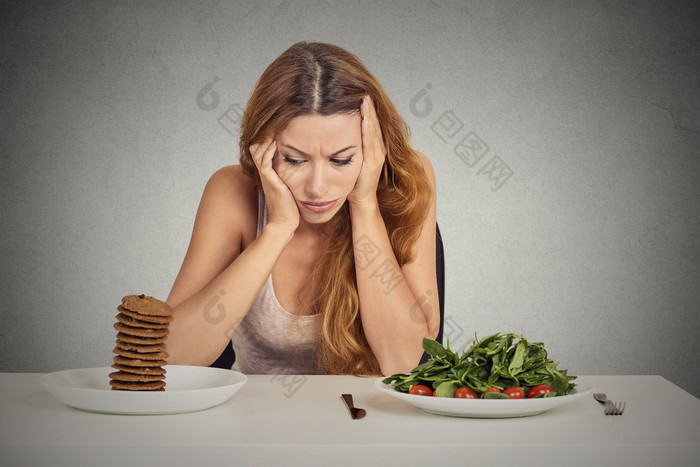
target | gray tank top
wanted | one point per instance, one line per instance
(270, 340)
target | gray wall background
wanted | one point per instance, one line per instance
(564, 136)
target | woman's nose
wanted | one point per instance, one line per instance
(315, 184)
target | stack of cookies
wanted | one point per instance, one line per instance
(142, 329)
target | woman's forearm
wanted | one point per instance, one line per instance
(394, 321)
(204, 323)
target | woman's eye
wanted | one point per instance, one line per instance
(342, 162)
(291, 161)
(337, 162)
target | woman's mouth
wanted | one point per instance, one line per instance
(321, 206)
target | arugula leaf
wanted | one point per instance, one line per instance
(433, 348)
(518, 358)
(446, 389)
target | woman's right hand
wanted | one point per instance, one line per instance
(283, 209)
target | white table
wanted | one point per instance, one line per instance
(301, 420)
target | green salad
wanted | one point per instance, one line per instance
(499, 366)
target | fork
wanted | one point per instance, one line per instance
(610, 407)
(615, 409)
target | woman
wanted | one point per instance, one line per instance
(317, 253)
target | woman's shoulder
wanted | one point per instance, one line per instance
(231, 177)
(230, 183)
(230, 194)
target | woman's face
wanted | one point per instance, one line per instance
(319, 158)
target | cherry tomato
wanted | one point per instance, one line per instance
(420, 390)
(538, 390)
(492, 389)
(465, 393)
(514, 393)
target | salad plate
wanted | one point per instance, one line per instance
(486, 408)
(188, 389)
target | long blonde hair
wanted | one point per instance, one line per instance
(323, 79)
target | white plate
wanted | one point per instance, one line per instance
(188, 389)
(486, 408)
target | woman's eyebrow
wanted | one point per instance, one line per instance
(288, 146)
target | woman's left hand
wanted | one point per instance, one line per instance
(374, 155)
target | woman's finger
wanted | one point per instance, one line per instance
(371, 133)
(268, 155)
(263, 153)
